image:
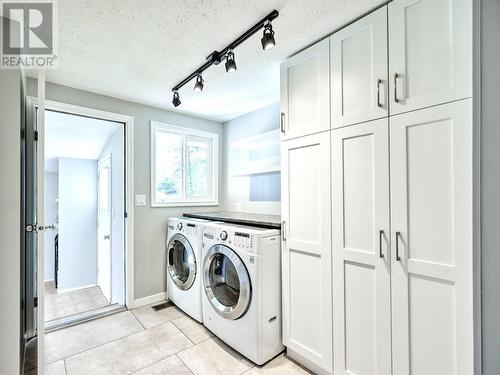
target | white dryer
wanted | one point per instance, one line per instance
(184, 242)
(242, 288)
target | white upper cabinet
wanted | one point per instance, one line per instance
(305, 92)
(306, 260)
(361, 251)
(431, 218)
(430, 49)
(359, 70)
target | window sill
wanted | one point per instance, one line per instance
(183, 204)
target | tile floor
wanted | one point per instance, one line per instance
(145, 342)
(61, 304)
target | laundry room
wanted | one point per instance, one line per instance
(249, 187)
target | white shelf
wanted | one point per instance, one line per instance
(258, 141)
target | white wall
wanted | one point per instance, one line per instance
(10, 176)
(114, 147)
(237, 190)
(77, 223)
(51, 190)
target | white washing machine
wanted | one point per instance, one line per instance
(241, 295)
(184, 242)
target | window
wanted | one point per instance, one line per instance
(184, 166)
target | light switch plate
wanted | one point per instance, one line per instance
(140, 200)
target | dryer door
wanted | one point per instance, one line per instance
(181, 262)
(226, 281)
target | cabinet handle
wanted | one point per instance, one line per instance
(380, 234)
(398, 234)
(396, 76)
(379, 81)
(282, 122)
(283, 230)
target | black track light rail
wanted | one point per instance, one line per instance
(216, 57)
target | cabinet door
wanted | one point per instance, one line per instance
(430, 47)
(431, 213)
(305, 92)
(359, 70)
(307, 290)
(361, 252)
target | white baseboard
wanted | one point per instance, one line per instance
(61, 290)
(160, 297)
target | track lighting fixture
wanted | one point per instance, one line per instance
(198, 86)
(216, 57)
(267, 40)
(230, 62)
(176, 101)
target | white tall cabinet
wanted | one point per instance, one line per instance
(377, 204)
(431, 240)
(306, 250)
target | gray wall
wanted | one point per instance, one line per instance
(10, 175)
(490, 181)
(114, 147)
(77, 223)
(237, 190)
(150, 223)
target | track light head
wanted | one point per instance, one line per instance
(198, 86)
(176, 101)
(230, 62)
(267, 40)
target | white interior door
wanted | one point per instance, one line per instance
(431, 213)
(104, 227)
(430, 47)
(305, 91)
(361, 256)
(307, 290)
(359, 70)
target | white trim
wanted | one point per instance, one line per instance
(155, 298)
(214, 172)
(129, 170)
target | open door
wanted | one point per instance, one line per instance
(32, 278)
(104, 227)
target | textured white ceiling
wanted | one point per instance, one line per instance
(72, 136)
(138, 50)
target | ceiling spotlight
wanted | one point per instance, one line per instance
(267, 40)
(176, 101)
(198, 86)
(230, 62)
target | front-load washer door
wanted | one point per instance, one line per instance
(181, 262)
(226, 281)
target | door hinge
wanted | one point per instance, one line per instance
(36, 136)
(125, 214)
(35, 301)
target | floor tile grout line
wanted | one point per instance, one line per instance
(181, 331)
(185, 364)
(65, 368)
(135, 316)
(154, 363)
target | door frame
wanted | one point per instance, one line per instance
(128, 122)
(108, 160)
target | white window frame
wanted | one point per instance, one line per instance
(186, 133)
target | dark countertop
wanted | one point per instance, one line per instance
(259, 220)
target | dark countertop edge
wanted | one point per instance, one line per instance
(253, 223)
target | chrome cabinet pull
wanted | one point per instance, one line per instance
(283, 230)
(379, 81)
(398, 234)
(396, 76)
(380, 234)
(282, 123)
